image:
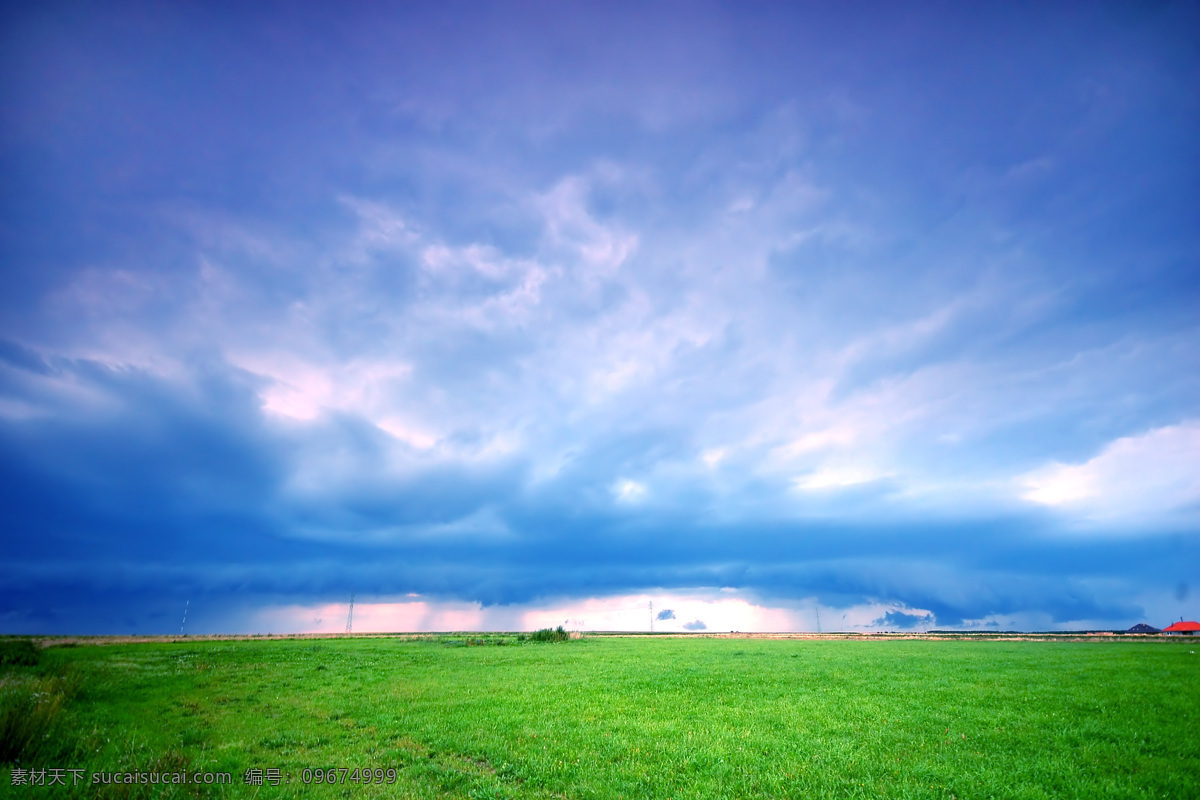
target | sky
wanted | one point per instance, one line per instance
(496, 316)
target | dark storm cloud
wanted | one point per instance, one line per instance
(168, 500)
(182, 491)
(898, 619)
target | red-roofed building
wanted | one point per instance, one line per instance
(1188, 628)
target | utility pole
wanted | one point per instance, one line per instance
(350, 616)
(818, 610)
(652, 616)
(184, 622)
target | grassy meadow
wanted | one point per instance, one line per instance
(608, 717)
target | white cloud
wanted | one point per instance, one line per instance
(629, 491)
(406, 433)
(1135, 478)
(301, 389)
(381, 229)
(837, 478)
(602, 248)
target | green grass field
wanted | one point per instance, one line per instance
(607, 717)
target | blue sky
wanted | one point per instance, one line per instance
(507, 315)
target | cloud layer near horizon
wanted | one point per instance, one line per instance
(531, 308)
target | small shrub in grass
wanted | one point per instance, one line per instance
(550, 635)
(18, 653)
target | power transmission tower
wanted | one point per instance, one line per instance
(350, 616)
(184, 622)
(652, 616)
(818, 610)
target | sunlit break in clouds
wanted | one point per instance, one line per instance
(504, 316)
